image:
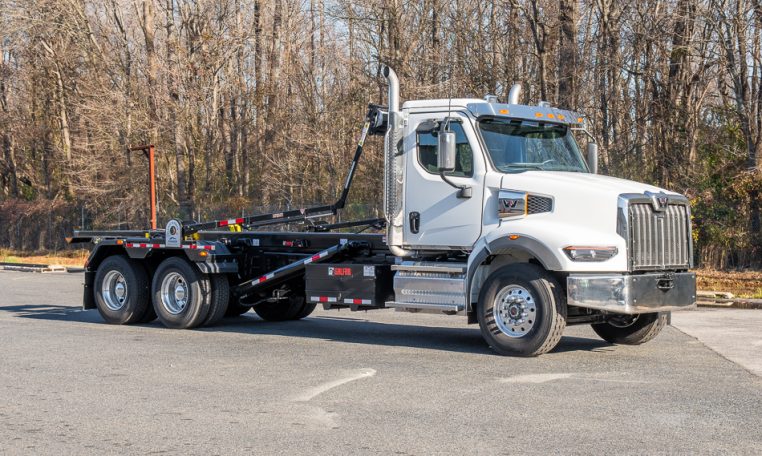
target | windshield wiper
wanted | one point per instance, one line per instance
(523, 166)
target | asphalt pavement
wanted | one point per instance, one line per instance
(380, 382)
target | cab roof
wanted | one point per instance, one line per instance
(482, 108)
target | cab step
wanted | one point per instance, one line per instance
(429, 287)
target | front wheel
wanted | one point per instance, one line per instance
(631, 329)
(521, 310)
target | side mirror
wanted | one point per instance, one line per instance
(446, 150)
(592, 157)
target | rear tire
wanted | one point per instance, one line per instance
(521, 310)
(181, 294)
(121, 290)
(235, 308)
(620, 331)
(220, 298)
(281, 311)
(306, 310)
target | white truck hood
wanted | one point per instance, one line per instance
(584, 213)
(574, 184)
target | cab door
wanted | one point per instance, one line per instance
(434, 215)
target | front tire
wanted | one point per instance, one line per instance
(521, 310)
(181, 294)
(631, 329)
(121, 290)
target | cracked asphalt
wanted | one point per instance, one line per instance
(362, 383)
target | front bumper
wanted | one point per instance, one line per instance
(632, 294)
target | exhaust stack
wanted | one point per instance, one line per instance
(394, 169)
(513, 95)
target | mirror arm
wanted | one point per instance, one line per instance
(464, 191)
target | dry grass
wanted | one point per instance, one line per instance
(746, 284)
(63, 258)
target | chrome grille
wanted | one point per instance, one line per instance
(659, 239)
(538, 204)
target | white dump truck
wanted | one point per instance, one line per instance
(492, 212)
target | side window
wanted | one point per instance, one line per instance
(464, 159)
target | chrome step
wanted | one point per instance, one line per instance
(448, 268)
(428, 307)
(429, 287)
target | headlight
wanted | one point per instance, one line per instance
(586, 253)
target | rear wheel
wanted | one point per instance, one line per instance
(287, 309)
(235, 308)
(121, 290)
(181, 294)
(306, 310)
(220, 298)
(631, 329)
(521, 310)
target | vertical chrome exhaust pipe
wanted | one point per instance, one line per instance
(514, 94)
(394, 165)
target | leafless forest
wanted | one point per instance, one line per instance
(255, 104)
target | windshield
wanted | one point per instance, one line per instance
(519, 145)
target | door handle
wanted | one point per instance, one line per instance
(415, 222)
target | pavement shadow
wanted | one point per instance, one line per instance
(53, 312)
(350, 330)
(338, 329)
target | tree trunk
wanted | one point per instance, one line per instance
(567, 55)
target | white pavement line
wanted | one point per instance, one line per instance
(320, 389)
(544, 378)
(535, 378)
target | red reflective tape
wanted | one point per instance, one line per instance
(315, 257)
(208, 247)
(222, 223)
(238, 221)
(357, 301)
(157, 246)
(324, 299)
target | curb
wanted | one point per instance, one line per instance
(24, 267)
(738, 303)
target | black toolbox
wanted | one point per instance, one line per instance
(356, 286)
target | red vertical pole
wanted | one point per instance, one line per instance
(152, 177)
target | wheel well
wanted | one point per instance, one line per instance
(488, 266)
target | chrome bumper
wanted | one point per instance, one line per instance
(632, 294)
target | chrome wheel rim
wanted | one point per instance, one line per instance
(174, 293)
(515, 311)
(114, 290)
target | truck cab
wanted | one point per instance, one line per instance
(495, 213)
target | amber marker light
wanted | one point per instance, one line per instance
(513, 237)
(503, 111)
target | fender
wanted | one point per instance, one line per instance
(503, 245)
